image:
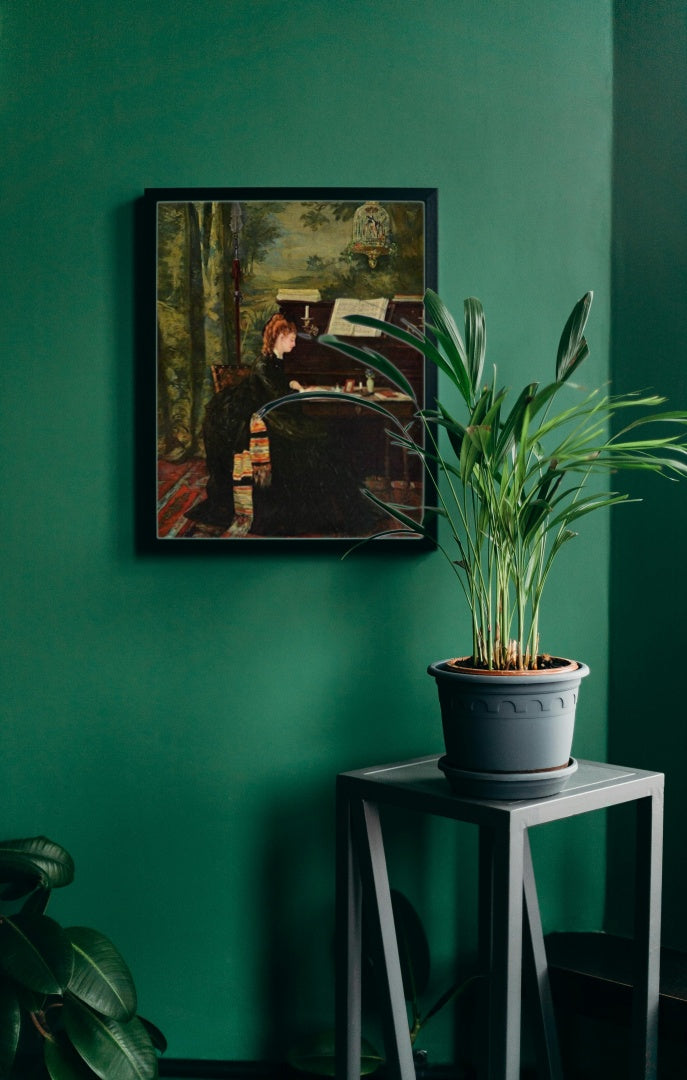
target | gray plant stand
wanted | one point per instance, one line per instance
(507, 905)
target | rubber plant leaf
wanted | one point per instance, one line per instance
(37, 902)
(10, 1024)
(36, 857)
(413, 947)
(63, 1062)
(156, 1037)
(114, 1051)
(20, 885)
(36, 952)
(317, 1055)
(100, 976)
(30, 1001)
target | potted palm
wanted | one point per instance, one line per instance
(67, 998)
(513, 476)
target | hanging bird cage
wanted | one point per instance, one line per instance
(371, 232)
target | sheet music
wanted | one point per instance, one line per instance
(348, 306)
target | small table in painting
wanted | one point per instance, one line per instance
(507, 905)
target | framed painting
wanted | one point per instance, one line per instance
(243, 284)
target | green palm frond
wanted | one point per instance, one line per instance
(513, 477)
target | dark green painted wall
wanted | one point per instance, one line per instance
(178, 723)
(649, 333)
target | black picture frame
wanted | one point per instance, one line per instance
(216, 265)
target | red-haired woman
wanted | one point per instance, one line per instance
(285, 477)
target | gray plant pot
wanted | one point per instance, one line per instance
(508, 723)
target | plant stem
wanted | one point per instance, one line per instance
(39, 1024)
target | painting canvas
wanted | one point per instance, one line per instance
(246, 284)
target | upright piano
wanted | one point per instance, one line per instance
(315, 364)
(388, 470)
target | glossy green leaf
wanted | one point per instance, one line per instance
(512, 427)
(317, 1055)
(454, 429)
(37, 902)
(501, 491)
(442, 325)
(114, 1051)
(156, 1037)
(542, 396)
(372, 359)
(586, 505)
(100, 976)
(477, 437)
(487, 427)
(18, 887)
(10, 1025)
(30, 1001)
(475, 339)
(441, 318)
(37, 859)
(413, 947)
(397, 513)
(63, 1062)
(418, 341)
(35, 951)
(572, 347)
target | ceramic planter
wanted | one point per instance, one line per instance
(501, 725)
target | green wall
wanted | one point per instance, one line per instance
(649, 333)
(178, 723)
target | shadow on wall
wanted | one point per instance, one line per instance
(649, 339)
(647, 721)
(297, 894)
(295, 891)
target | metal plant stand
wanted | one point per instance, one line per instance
(508, 907)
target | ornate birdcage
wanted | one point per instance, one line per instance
(371, 232)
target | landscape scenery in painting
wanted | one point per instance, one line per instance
(245, 289)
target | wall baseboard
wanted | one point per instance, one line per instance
(202, 1069)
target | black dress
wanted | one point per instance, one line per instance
(313, 490)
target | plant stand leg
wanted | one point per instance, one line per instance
(548, 1053)
(647, 936)
(367, 834)
(500, 915)
(348, 945)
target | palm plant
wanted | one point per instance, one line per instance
(70, 987)
(514, 479)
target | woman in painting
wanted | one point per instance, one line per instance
(283, 476)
